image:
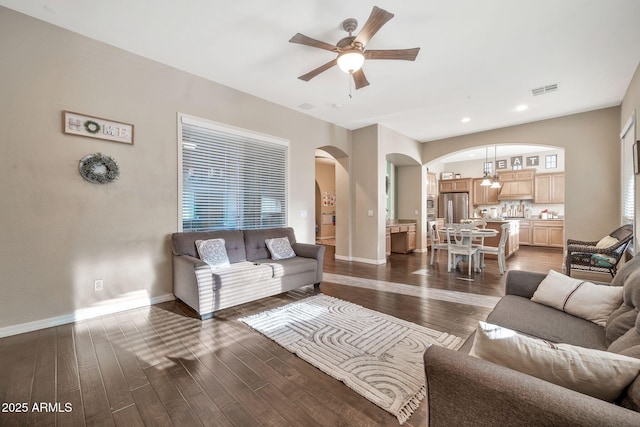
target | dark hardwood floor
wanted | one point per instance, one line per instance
(160, 366)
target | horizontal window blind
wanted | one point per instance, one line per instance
(628, 175)
(231, 179)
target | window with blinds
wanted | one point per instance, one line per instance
(628, 175)
(232, 179)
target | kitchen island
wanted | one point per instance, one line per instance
(513, 241)
(401, 236)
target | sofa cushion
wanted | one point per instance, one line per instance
(593, 372)
(241, 273)
(185, 243)
(523, 315)
(290, 266)
(280, 248)
(254, 241)
(213, 252)
(578, 297)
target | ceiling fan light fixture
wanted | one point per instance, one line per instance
(350, 60)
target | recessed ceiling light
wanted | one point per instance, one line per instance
(465, 120)
(522, 107)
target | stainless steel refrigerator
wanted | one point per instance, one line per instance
(453, 206)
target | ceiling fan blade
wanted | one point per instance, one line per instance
(376, 20)
(308, 41)
(404, 54)
(360, 79)
(320, 69)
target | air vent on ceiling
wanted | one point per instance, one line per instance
(305, 106)
(544, 89)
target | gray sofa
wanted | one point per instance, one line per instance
(465, 390)
(252, 274)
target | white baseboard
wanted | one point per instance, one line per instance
(362, 260)
(108, 307)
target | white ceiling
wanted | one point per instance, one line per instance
(478, 59)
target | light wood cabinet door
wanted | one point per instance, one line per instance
(455, 185)
(543, 189)
(491, 197)
(548, 233)
(525, 233)
(556, 237)
(549, 188)
(479, 193)
(432, 184)
(557, 188)
(540, 236)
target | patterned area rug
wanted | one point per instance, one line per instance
(377, 355)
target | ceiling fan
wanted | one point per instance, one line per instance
(352, 50)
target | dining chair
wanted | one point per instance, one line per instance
(436, 242)
(499, 250)
(459, 243)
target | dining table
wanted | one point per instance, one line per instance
(467, 231)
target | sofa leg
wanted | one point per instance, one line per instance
(316, 288)
(206, 316)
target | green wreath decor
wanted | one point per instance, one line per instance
(91, 127)
(98, 168)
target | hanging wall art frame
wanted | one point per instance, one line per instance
(96, 127)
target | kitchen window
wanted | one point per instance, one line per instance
(231, 179)
(551, 161)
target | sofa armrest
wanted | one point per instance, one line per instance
(308, 250)
(191, 279)
(466, 391)
(522, 283)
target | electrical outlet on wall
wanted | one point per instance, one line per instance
(98, 284)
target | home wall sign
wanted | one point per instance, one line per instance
(95, 127)
(501, 164)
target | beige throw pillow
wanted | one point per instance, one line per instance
(577, 297)
(597, 373)
(606, 242)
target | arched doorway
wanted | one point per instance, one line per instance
(333, 200)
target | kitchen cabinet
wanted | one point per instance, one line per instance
(549, 188)
(455, 185)
(548, 233)
(401, 237)
(520, 175)
(484, 195)
(516, 185)
(432, 184)
(525, 232)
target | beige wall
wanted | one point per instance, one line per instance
(592, 152)
(61, 233)
(368, 179)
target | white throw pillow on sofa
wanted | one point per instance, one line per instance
(600, 374)
(578, 297)
(213, 252)
(280, 248)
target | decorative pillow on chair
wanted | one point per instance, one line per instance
(606, 242)
(280, 248)
(578, 297)
(600, 374)
(213, 252)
